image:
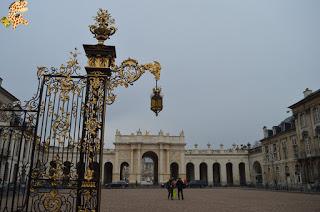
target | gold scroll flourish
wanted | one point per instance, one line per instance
(127, 73)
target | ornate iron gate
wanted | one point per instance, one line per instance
(17, 130)
(51, 148)
(66, 161)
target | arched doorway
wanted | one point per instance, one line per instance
(203, 172)
(149, 171)
(124, 171)
(174, 170)
(242, 174)
(108, 167)
(190, 171)
(229, 174)
(257, 173)
(216, 174)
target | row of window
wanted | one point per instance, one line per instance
(316, 117)
(286, 173)
(280, 151)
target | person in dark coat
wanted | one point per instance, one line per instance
(179, 185)
(169, 186)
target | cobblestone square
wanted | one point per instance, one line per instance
(204, 200)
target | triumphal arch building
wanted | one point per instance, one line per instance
(143, 158)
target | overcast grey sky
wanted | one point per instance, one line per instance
(228, 67)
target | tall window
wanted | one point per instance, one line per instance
(316, 114)
(307, 146)
(295, 146)
(302, 119)
(267, 153)
(277, 172)
(275, 153)
(284, 148)
(297, 174)
(287, 171)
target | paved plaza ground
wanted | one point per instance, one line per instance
(204, 200)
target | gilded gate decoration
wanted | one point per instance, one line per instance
(55, 174)
(60, 131)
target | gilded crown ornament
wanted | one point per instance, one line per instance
(104, 26)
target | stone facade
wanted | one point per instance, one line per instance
(280, 158)
(171, 159)
(288, 155)
(307, 121)
(291, 150)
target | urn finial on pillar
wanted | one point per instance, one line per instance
(104, 26)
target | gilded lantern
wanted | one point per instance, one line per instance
(156, 101)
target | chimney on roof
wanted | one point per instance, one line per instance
(1, 82)
(265, 132)
(307, 92)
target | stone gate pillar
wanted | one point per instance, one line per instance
(182, 172)
(167, 175)
(248, 175)
(210, 174)
(196, 171)
(116, 173)
(223, 173)
(139, 165)
(132, 178)
(161, 171)
(236, 173)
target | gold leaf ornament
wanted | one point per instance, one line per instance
(52, 201)
(5, 22)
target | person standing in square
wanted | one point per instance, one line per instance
(179, 185)
(169, 187)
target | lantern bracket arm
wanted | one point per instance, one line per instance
(127, 73)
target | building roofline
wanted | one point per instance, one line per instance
(279, 134)
(304, 100)
(8, 94)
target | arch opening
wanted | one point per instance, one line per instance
(257, 173)
(124, 171)
(190, 171)
(242, 174)
(229, 174)
(149, 172)
(108, 167)
(174, 170)
(204, 172)
(216, 174)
